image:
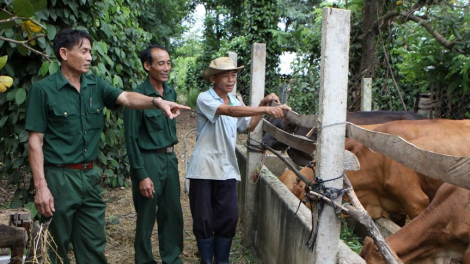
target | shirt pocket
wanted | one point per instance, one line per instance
(63, 119)
(154, 119)
(95, 116)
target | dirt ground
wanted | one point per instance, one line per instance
(121, 217)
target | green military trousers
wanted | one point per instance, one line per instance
(165, 207)
(79, 216)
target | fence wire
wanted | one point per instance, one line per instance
(304, 100)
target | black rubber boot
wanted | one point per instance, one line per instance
(222, 250)
(206, 249)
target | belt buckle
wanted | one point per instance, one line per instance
(169, 149)
(85, 166)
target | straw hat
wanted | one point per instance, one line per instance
(219, 65)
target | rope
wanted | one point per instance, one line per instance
(259, 149)
(255, 148)
(316, 185)
(334, 124)
(330, 192)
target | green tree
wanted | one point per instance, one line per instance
(119, 38)
(385, 22)
(163, 18)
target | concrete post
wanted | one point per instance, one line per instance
(234, 57)
(258, 70)
(366, 94)
(332, 117)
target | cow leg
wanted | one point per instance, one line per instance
(409, 193)
(466, 256)
(415, 203)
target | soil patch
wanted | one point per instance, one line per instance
(121, 217)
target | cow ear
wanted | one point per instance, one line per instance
(350, 163)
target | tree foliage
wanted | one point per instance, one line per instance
(119, 37)
(407, 47)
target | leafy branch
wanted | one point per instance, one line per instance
(443, 41)
(25, 43)
(22, 13)
(440, 38)
(456, 6)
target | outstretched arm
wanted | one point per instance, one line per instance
(138, 101)
(277, 112)
(254, 112)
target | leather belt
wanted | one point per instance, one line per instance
(77, 166)
(166, 150)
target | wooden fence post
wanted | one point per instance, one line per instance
(332, 117)
(254, 159)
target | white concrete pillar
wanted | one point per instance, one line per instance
(332, 117)
(366, 94)
(234, 57)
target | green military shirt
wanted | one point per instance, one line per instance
(148, 129)
(71, 121)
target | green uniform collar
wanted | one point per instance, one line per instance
(62, 81)
(149, 90)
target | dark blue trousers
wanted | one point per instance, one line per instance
(214, 208)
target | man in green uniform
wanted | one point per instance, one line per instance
(150, 137)
(64, 118)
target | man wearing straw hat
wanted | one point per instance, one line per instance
(213, 169)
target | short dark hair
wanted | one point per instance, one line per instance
(146, 54)
(68, 38)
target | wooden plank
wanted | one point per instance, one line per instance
(451, 169)
(11, 236)
(350, 162)
(7, 215)
(294, 141)
(300, 120)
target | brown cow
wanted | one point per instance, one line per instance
(359, 118)
(389, 189)
(440, 234)
(295, 185)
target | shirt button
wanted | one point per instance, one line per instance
(84, 131)
(84, 150)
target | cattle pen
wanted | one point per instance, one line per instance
(269, 220)
(273, 222)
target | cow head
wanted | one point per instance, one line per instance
(298, 157)
(284, 125)
(370, 252)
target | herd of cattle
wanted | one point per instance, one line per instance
(439, 230)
